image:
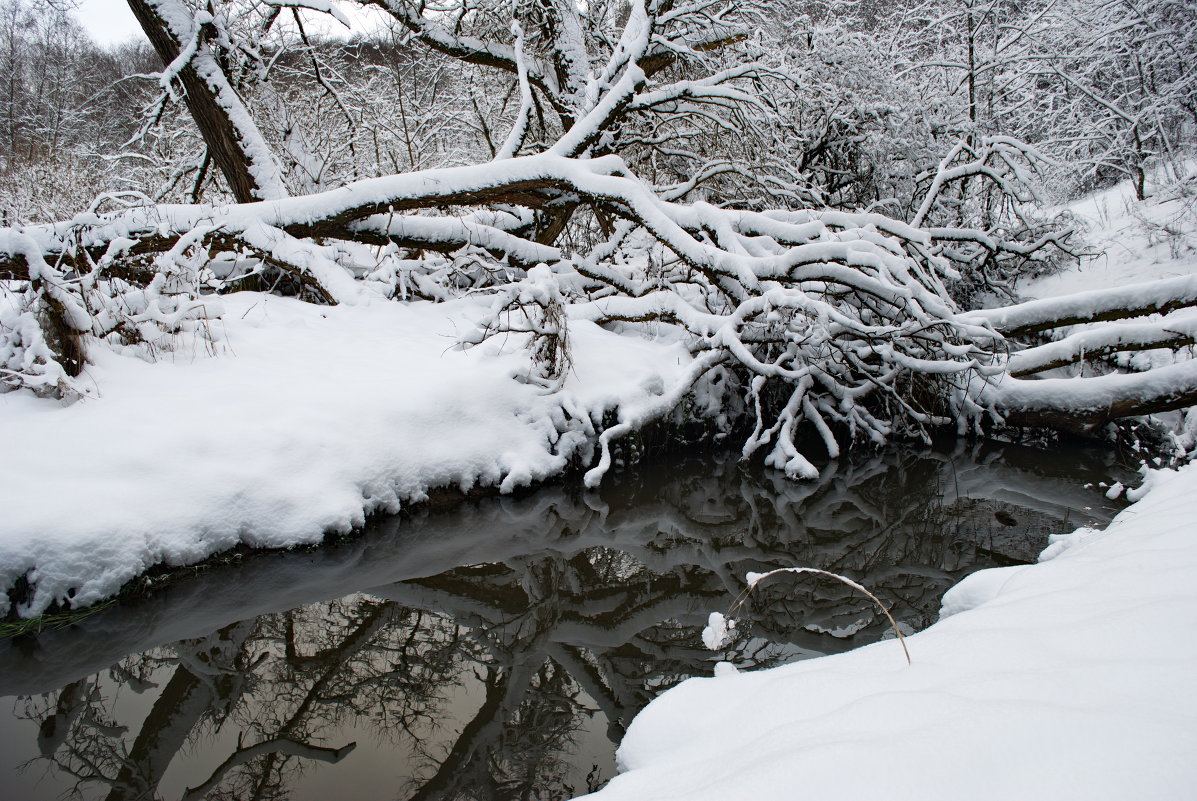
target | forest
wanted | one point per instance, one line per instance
(814, 197)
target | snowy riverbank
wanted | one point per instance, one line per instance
(1068, 679)
(289, 420)
(304, 419)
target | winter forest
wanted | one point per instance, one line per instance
(811, 196)
(276, 266)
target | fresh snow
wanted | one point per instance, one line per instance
(299, 420)
(1068, 679)
(1134, 241)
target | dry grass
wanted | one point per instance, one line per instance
(49, 622)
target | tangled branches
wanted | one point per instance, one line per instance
(842, 323)
(836, 320)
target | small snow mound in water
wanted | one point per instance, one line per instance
(717, 632)
(976, 589)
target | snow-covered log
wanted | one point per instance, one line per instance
(1134, 300)
(1080, 404)
(1171, 331)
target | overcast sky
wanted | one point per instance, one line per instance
(111, 22)
(108, 21)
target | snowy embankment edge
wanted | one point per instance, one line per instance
(1064, 679)
(299, 422)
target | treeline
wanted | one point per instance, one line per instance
(865, 100)
(66, 108)
(80, 122)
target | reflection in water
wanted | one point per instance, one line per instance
(477, 654)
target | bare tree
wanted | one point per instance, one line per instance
(844, 322)
(1124, 87)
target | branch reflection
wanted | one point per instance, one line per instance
(490, 680)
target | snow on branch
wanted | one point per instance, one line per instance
(1171, 331)
(823, 322)
(181, 39)
(471, 49)
(319, 6)
(1133, 300)
(1078, 404)
(845, 313)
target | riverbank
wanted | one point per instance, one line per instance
(1070, 678)
(297, 421)
(606, 592)
(287, 422)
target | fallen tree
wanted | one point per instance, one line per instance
(838, 322)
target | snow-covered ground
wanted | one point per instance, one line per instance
(299, 420)
(1068, 679)
(1134, 241)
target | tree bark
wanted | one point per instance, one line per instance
(215, 126)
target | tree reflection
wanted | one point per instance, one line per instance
(483, 679)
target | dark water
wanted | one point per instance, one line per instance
(500, 650)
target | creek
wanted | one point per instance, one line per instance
(500, 649)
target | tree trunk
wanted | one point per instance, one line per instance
(226, 144)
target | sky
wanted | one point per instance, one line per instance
(110, 22)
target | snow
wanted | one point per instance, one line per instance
(717, 632)
(298, 420)
(1134, 241)
(186, 28)
(1071, 678)
(288, 420)
(1086, 305)
(1167, 330)
(1094, 394)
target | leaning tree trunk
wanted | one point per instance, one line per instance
(234, 143)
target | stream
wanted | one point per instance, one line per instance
(499, 650)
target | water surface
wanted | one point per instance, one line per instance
(501, 649)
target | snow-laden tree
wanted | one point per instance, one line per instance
(59, 109)
(1123, 89)
(626, 190)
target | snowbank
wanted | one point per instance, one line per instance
(304, 419)
(1135, 240)
(1069, 679)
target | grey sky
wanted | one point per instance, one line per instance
(111, 22)
(108, 21)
